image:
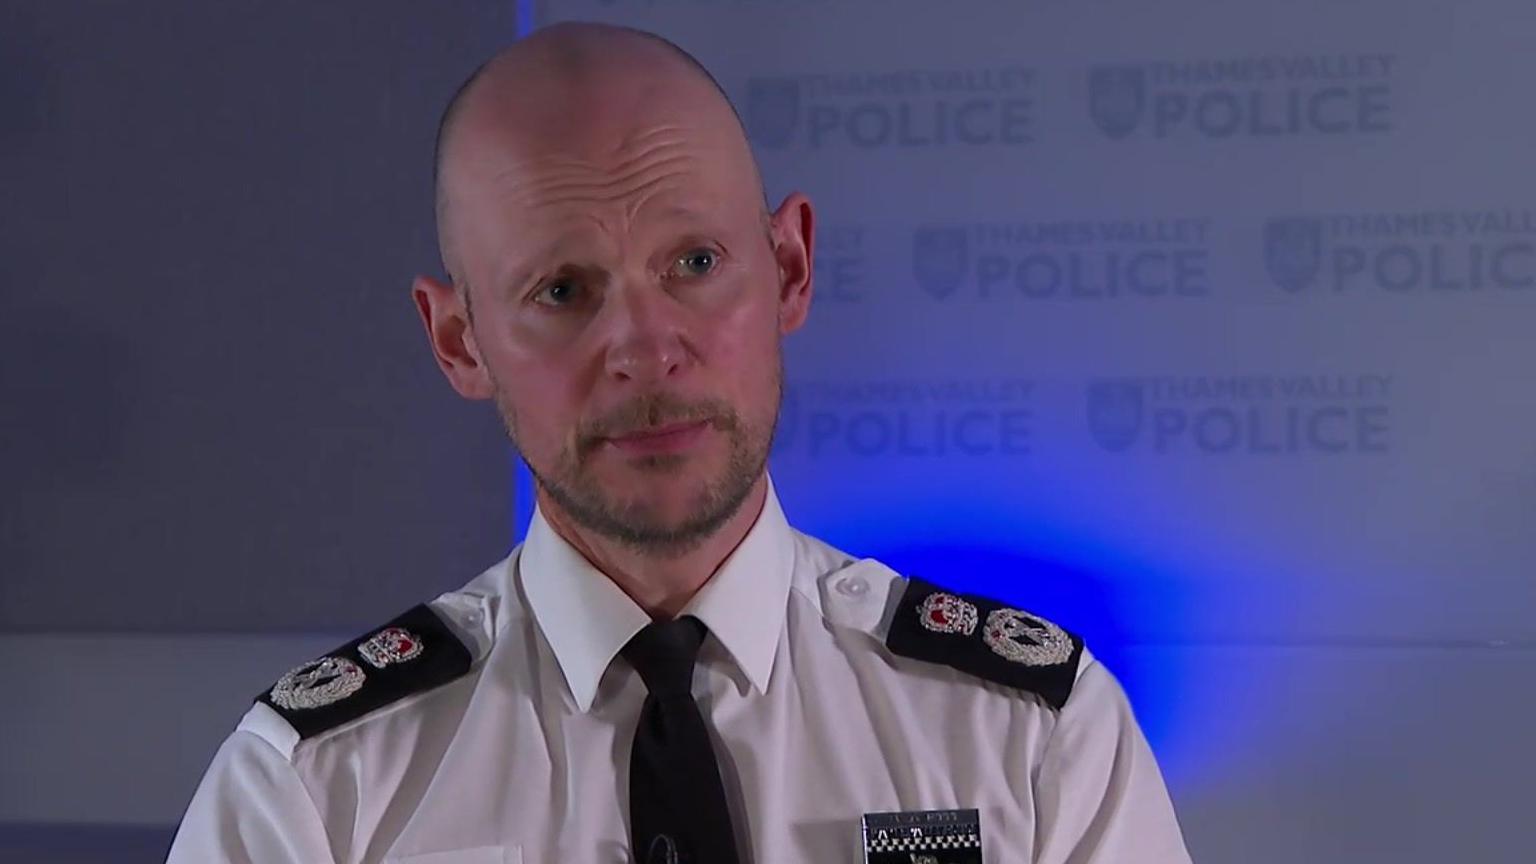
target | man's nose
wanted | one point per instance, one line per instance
(643, 327)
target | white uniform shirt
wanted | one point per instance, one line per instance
(526, 758)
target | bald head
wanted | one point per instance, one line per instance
(578, 88)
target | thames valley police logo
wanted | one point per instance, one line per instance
(773, 111)
(1115, 408)
(1116, 98)
(940, 259)
(1293, 251)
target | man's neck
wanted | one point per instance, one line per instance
(661, 585)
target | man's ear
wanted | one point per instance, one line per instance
(446, 320)
(792, 229)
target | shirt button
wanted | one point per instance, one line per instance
(852, 586)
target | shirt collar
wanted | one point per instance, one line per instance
(587, 619)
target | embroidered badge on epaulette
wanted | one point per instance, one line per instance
(411, 654)
(986, 639)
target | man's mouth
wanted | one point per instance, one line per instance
(660, 440)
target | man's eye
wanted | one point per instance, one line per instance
(561, 292)
(697, 262)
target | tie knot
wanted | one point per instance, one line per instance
(664, 653)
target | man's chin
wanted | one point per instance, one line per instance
(655, 501)
(662, 514)
(665, 510)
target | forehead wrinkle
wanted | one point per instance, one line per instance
(565, 181)
(583, 185)
(633, 194)
(634, 148)
(620, 167)
(640, 141)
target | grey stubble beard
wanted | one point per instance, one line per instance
(633, 524)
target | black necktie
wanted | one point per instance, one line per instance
(677, 810)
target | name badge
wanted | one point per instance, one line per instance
(923, 837)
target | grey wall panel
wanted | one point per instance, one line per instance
(118, 729)
(84, 844)
(219, 410)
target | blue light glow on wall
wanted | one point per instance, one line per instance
(1102, 330)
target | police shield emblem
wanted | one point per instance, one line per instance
(1116, 97)
(773, 111)
(1293, 251)
(1114, 413)
(940, 259)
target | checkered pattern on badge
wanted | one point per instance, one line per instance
(908, 843)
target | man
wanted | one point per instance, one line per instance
(665, 671)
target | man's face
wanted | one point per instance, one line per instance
(627, 303)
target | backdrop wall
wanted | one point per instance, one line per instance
(1200, 327)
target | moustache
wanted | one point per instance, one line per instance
(651, 411)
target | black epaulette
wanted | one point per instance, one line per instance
(986, 639)
(411, 654)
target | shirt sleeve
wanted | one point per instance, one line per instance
(1099, 796)
(251, 808)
